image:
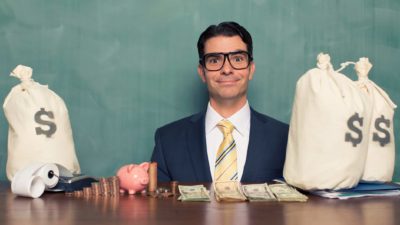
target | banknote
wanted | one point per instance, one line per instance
(284, 192)
(228, 191)
(258, 192)
(193, 193)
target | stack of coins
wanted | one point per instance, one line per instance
(110, 187)
(174, 187)
(87, 191)
(114, 185)
(152, 177)
(78, 194)
(96, 189)
(105, 187)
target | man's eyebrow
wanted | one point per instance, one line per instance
(234, 51)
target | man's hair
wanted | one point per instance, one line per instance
(227, 29)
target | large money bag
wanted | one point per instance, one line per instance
(39, 126)
(379, 165)
(328, 131)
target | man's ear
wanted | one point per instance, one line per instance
(201, 72)
(252, 69)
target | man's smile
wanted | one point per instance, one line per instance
(230, 81)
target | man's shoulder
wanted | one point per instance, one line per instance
(268, 120)
(183, 122)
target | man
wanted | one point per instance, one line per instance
(230, 140)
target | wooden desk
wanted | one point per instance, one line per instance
(56, 208)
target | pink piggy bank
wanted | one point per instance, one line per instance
(133, 178)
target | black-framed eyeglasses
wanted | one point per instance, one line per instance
(214, 61)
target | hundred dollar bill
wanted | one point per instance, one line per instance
(228, 191)
(193, 193)
(284, 192)
(258, 192)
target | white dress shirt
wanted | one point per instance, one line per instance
(241, 134)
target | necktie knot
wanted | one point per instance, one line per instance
(226, 127)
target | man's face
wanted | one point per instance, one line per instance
(227, 84)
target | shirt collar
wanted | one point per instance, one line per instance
(241, 119)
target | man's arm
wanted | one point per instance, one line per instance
(158, 156)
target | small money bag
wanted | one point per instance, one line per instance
(39, 126)
(328, 131)
(379, 165)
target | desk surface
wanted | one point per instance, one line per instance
(56, 208)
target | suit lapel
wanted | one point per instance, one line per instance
(255, 145)
(196, 144)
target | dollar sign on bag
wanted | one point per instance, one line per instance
(350, 123)
(38, 119)
(382, 140)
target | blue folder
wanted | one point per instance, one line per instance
(373, 186)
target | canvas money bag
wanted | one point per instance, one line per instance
(380, 161)
(39, 126)
(328, 129)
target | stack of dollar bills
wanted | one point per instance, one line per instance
(286, 193)
(193, 193)
(234, 191)
(258, 192)
(228, 191)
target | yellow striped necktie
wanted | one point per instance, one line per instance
(226, 161)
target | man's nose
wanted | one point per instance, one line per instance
(226, 68)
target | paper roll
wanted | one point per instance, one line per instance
(32, 180)
(49, 173)
(28, 186)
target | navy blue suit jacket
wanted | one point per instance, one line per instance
(181, 151)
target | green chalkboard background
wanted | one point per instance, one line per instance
(126, 67)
